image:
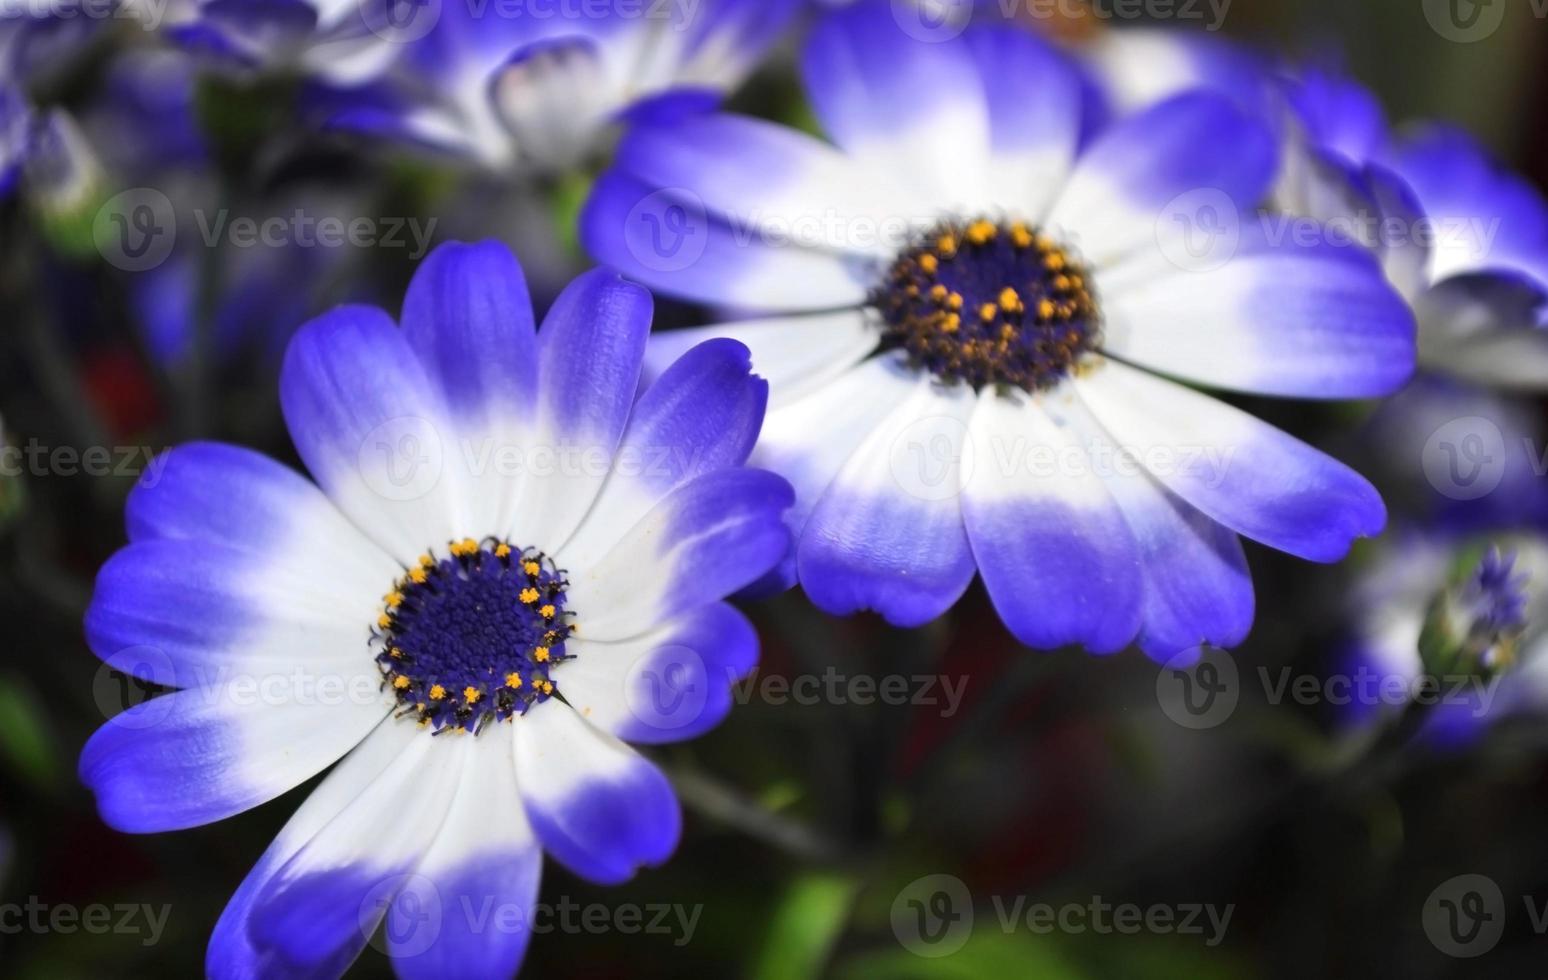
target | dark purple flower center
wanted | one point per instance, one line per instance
(989, 304)
(472, 638)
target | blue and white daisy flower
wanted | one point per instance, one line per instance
(1459, 620)
(501, 87)
(506, 568)
(966, 316)
(344, 42)
(1480, 288)
(1464, 240)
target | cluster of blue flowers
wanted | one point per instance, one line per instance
(954, 328)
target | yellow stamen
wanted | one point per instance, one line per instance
(437, 693)
(981, 232)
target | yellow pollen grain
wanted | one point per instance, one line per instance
(929, 264)
(1020, 236)
(540, 654)
(384, 621)
(1010, 302)
(938, 293)
(426, 561)
(547, 612)
(1045, 309)
(437, 693)
(400, 682)
(947, 245)
(1054, 262)
(393, 599)
(502, 550)
(471, 694)
(981, 232)
(513, 680)
(547, 686)
(954, 301)
(417, 575)
(528, 595)
(531, 568)
(988, 312)
(951, 322)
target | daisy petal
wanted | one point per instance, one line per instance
(1053, 548)
(192, 614)
(193, 757)
(1242, 472)
(887, 534)
(231, 954)
(590, 348)
(666, 238)
(670, 684)
(366, 421)
(597, 806)
(1312, 322)
(1117, 196)
(1197, 586)
(478, 881)
(702, 415)
(707, 539)
(767, 179)
(795, 354)
(315, 915)
(809, 440)
(907, 106)
(469, 318)
(1034, 140)
(221, 494)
